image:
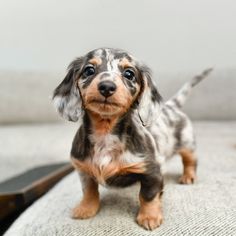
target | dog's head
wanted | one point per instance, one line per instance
(108, 82)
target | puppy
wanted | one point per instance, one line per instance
(125, 129)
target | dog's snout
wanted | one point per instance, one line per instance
(106, 88)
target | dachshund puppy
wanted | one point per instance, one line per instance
(125, 129)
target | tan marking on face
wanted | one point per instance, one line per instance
(123, 96)
(125, 63)
(150, 213)
(115, 167)
(190, 163)
(89, 205)
(95, 61)
(117, 104)
(91, 93)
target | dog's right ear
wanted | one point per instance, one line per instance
(66, 96)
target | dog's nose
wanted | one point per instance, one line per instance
(106, 88)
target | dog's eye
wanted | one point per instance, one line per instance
(129, 74)
(88, 71)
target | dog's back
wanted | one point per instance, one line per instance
(173, 130)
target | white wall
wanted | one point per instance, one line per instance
(176, 38)
(170, 36)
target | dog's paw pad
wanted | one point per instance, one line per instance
(149, 222)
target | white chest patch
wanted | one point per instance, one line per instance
(107, 148)
(109, 158)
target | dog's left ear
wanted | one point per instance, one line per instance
(66, 96)
(150, 101)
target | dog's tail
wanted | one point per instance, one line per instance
(181, 96)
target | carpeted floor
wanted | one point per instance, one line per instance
(205, 208)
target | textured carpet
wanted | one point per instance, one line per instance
(26, 146)
(205, 208)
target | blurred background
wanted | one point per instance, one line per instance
(177, 39)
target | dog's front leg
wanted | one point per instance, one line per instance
(89, 204)
(150, 213)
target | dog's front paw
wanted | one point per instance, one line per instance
(150, 222)
(187, 179)
(85, 210)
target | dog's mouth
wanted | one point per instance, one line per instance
(104, 102)
(103, 106)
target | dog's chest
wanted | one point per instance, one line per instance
(106, 149)
(109, 158)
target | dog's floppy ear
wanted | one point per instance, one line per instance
(66, 96)
(150, 101)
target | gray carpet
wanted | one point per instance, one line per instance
(26, 146)
(206, 208)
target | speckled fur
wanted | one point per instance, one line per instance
(125, 138)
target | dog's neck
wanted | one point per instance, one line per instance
(102, 125)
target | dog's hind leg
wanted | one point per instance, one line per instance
(186, 145)
(189, 166)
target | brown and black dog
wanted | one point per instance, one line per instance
(125, 130)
